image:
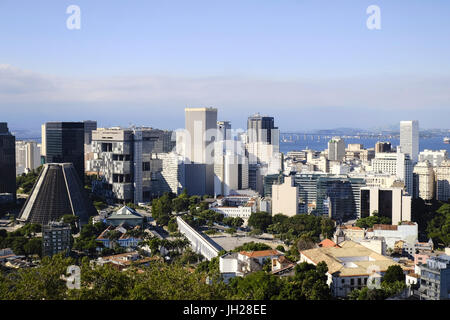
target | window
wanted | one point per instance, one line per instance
(145, 166)
(352, 282)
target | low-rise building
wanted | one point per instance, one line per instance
(348, 232)
(235, 206)
(350, 265)
(239, 264)
(126, 260)
(127, 237)
(407, 232)
(125, 215)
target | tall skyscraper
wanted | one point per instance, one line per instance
(409, 138)
(336, 149)
(28, 156)
(7, 161)
(201, 126)
(64, 143)
(261, 129)
(224, 130)
(197, 145)
(89, 126)
(424, 180)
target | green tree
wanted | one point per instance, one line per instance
(73, 220)
(260, 220)
(42, 282)
(394, 273)
(438, 228)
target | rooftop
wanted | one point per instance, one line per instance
(260, 254)
(327, 243)
(350, 259)
(125, 213)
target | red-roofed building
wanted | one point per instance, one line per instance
(327, 243)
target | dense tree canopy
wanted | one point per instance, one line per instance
(439, 227)
(260, 220)
(25, 182)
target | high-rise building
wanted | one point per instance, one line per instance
(336, 149)
(7, 161)
(443, 181)
(269, 181)
(197, 142)
(201, 127)
(424, 182)
(398, 164)
(389, 202)
(28, 156)
(434, 157)
(338, 197)
(435, 278)
(262, 129)
(224, 130)
(329, 195)
(89, 126)
(263, 139)
(173, 171)
(285, 198)
(127, 161)
(409, 138)
(64, 143)
(58, 191)
(263, 150)
(382, 147)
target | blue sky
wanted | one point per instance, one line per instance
(311, 64)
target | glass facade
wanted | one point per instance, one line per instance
(7, 161)
(65, 143)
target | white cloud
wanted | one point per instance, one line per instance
(243, 94)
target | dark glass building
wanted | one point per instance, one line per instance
(65, 144)
(270, 180)
(259, 128)
(7, 161)
(338, 196)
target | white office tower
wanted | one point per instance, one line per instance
(336, 149)
(201, 128)
(398, 164)
(197, 144)
(409, 138)
(28, 156)
(434, 157)
(230, 162)
(443, 181)
(424, 173)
